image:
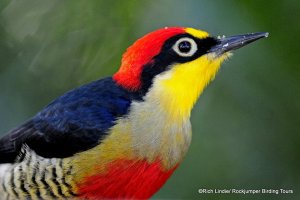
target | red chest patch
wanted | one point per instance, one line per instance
(126, 180)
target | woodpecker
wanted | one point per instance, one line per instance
(119, 137)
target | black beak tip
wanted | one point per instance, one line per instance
(226, 44)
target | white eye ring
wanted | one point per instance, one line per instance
(192, 50)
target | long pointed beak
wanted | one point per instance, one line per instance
(235, 42)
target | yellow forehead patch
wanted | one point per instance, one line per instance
(197, 33)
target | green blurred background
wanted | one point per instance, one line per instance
(245, 125)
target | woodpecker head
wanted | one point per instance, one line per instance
(177, 63)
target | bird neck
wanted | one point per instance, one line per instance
(158, 127)
(178, 89)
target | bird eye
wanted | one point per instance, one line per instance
(185, 47)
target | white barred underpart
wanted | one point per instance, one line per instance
(34, 177)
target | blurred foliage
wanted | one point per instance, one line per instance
(246, 124)
(48, 47)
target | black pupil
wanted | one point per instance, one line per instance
(184, 46)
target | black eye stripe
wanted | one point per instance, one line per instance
(203, 46)
(168, 56)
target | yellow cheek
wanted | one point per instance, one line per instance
(181, 86)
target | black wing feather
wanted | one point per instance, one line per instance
(73, 123)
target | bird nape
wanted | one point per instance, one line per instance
(119, 137)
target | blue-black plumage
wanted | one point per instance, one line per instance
(74, 122)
